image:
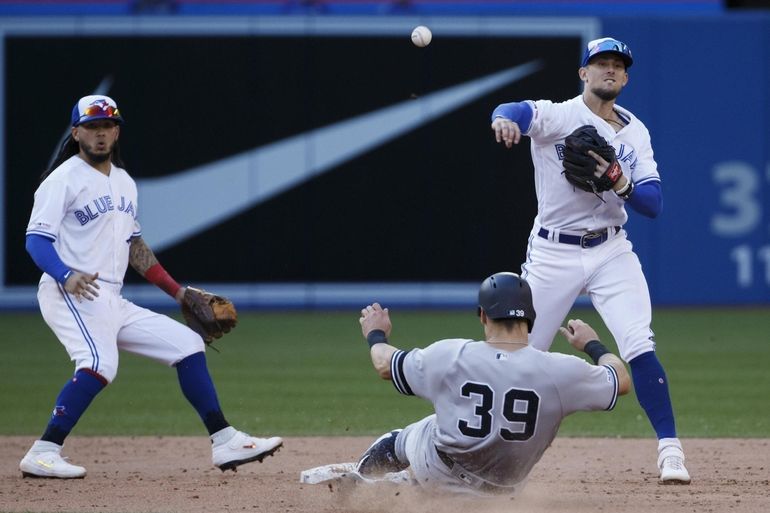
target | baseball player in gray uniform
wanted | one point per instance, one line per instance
(498, 402)
(83, 233)
(577, 244)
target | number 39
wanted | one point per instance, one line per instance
(513, 401)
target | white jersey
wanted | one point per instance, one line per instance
(497, 411)
(91, 217)
(562, 207)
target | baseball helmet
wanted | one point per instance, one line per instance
(95, 106)
(607, 45)
(507, 296)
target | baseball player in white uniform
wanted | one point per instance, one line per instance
(83, 233)
(498, 402)
(578, 245)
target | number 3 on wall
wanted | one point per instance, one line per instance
(520, 408)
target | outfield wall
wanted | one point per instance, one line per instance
(324, 161)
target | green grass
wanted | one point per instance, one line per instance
(309, 374)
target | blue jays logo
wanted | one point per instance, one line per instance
(102, 104)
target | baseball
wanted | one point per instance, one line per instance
(421, 36)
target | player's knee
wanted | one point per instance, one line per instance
(104, 373)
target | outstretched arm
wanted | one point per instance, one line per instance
(376, 326)
(583, 338)
(143, 260)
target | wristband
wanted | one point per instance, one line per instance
(376, 337)
(595, 350)
(626, 191)
(157, 275)
(64, 277)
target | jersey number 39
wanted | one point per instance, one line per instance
(519, 407)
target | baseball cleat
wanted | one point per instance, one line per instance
(671, 465)
(44, 460)
(241, 448)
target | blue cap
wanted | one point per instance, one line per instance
(95, 106)
(607, 45)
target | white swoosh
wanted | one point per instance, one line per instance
(183, 204)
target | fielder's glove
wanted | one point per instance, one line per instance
(207, 314)
(580, 167)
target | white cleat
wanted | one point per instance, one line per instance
(232, 448)
(44, 460)
(671, 465)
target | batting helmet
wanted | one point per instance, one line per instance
(507, 296)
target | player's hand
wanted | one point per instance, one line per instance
(374, 317)
(506, 131)
(578, 333)
(602, 166)
(82, 285)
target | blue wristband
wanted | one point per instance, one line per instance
(376, 337)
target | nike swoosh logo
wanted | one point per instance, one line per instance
(207, 195)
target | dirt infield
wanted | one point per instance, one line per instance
(165, 474)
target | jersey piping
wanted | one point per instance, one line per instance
(397, 372)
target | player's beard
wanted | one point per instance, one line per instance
(97, 158)
(606, 95)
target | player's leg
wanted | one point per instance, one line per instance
(619, 292)
(89, 341)
(416, 445)
(380, 458)
(165, 340)
(555, 275)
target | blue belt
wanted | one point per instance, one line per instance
(588, 240)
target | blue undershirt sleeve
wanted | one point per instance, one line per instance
(519, 112)
(647, 199)
(47, 259)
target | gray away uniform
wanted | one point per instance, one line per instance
(496, 411)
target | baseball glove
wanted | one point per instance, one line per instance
(207, 314)
(580, 167)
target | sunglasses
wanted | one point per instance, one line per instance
(609, 45)
(106, 111)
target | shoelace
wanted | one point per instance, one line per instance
(673, 462)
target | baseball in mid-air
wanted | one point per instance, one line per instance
(421, 36)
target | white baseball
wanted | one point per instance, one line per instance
(421, 36)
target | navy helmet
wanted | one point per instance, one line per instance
(507, 296)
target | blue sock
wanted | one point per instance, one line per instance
(651, 388)
(72, 401)
(197, 387)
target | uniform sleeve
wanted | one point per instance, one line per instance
(643, 166)
(51, 201)
(137, 227)
(420, 371)
(586, 387)
(548, 121)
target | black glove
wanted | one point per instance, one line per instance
(580, 167)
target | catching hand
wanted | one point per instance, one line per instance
(207, 314)
(589, 161)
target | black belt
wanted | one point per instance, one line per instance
(588, 240)
(464, 475)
